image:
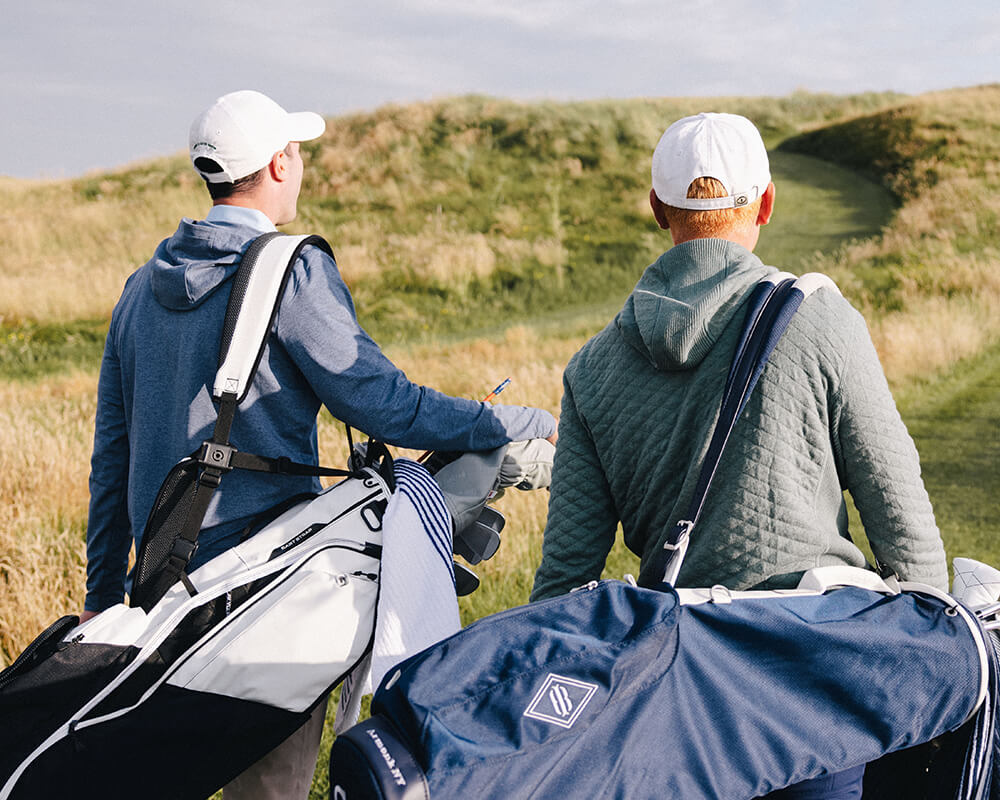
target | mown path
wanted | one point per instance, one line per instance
(953, 418)
(818, 206)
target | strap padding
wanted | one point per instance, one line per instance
(254, 305)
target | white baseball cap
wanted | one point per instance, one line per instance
(726, 147)
(242, 131)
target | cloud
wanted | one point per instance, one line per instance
(152, 67)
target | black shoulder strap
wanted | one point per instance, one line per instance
(771, 307)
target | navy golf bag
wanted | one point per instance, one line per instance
(616, 691)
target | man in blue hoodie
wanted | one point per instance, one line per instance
(154, 398)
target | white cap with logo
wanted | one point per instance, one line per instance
(726, 147)
(241, 131)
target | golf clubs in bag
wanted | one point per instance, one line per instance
(176, 693)
(618, 691)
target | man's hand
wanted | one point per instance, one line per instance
(85, 615)
(555, 433)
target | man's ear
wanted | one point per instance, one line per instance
(766, 206)
(279, 166)
(659, 210)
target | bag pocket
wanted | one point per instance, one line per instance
(44, 645)
(296, 640)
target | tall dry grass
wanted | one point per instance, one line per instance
(67, 247)
(930, 283)
(534, 363)
(46, 435)
(440, 195)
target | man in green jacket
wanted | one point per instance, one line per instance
(641, 399)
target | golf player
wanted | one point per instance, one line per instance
(155, 392)
(641, 399)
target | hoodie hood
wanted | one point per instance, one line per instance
(685, 299)
(196, 260)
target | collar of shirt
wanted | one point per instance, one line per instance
(240, 215)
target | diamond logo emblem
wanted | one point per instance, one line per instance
(560, 700)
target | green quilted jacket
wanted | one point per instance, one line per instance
(641, 399)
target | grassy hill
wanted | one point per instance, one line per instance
(427, 205)
(485, 238)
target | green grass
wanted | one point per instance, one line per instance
(577, 176)
(937, 155)
(955, 421)
(29, 351)
(820, 207)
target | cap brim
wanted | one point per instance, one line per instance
(305, 125)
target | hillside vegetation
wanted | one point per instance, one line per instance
(935, 267)
(485, 238)
(428, 206)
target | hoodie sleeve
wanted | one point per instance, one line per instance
(109, 536)
(582, 520)
(880, 466)
(360, 386)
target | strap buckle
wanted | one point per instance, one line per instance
(183, 549)
(216, 456)
(677, 551)
(684, 527)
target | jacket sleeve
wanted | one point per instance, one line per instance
(880, 467)
(582, 519)
(351, 376)
(109, 535)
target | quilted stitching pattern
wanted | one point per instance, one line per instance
(632, 440)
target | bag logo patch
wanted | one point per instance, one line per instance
(560, 700)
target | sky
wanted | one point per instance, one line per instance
(102, 84)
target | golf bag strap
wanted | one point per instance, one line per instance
(253, 306)
(771, 307)
(216, 459)
(282, 466)
(254, 300)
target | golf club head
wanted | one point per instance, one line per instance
(467, 482)
(480, 540)
(466, 581)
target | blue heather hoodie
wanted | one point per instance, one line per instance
(155, 405)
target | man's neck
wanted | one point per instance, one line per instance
(240, 215)
(744, 238)
(269, 210)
